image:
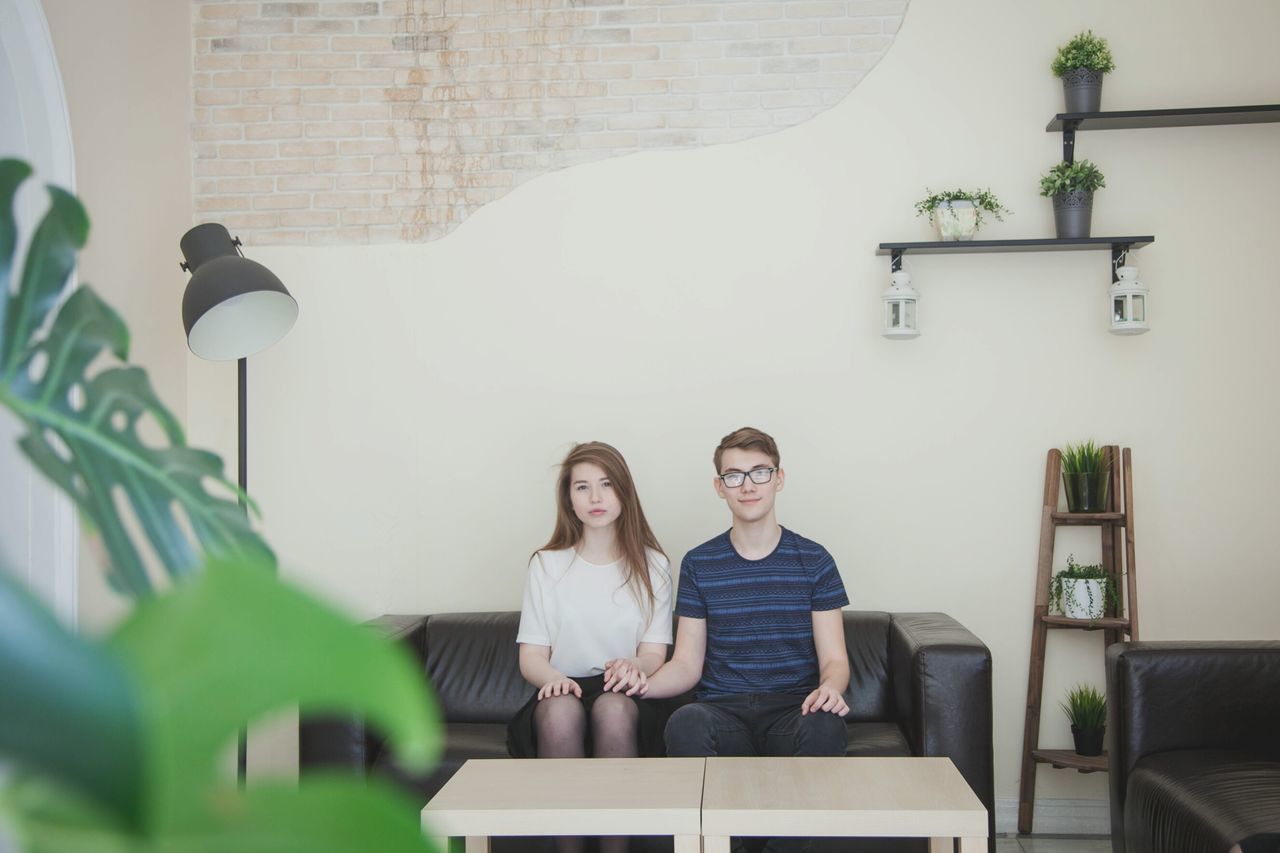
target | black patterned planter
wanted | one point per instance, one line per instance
(1073, 214)
(1083, 90)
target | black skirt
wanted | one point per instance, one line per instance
(522, 735)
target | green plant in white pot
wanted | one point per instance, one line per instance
(1082, 592)
(1081, 63)
(1086, 708)
(1071, 187)
(958, 213)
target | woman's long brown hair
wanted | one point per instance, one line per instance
(633, 532)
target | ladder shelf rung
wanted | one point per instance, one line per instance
(1082, 519)
(1071, 760)
(1106, 622)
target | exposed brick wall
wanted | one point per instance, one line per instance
(353, 122)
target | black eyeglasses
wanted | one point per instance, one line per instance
(759, 476)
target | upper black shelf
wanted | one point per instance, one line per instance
(1047, 244)
(1193, 117)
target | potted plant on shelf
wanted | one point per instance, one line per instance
(958, 213)
(1085, 477)
(1082, 592)
(1081, 63)
(1071, 186)
(1086, 708)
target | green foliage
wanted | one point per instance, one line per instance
(82, 430)
(1086, 708)
(116, 745)
(1063, 594)
(982, 200)
(1083, 458)
(1085, 50)
(1070, 177)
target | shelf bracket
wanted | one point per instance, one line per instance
(1069, 140)
(895, 260)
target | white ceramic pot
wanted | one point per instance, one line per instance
(1083, 598)
(956, 220)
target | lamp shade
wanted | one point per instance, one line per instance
(233, 307)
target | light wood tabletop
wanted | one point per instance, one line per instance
(844, 797)
(570, 796)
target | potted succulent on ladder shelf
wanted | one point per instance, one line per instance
(1071, 186)
(1086, 708)
(1081, 63)
(958, 213)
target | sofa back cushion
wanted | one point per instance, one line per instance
(870, 697)
(473, 664)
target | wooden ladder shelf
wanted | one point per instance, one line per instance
(1116, 526)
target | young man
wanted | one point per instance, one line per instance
(761, 632)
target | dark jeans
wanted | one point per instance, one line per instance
(756, 724)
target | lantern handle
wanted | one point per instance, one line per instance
(1119, 254)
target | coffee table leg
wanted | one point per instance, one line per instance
(715, 844)
(477, 844)
(688, 844)
(941, 845)
(973, 845)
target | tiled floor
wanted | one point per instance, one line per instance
(1053, 844)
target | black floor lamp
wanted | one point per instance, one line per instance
(233, 307)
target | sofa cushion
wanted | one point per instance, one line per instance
(866, 637)
(877, 740)
(474, 665)
(1200, 799)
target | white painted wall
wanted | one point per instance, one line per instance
(403, 436)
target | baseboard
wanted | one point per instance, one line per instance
(1057, 817)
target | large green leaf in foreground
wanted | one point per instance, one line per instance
(184, 672)
(82, 430)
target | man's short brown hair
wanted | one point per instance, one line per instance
(748, 438)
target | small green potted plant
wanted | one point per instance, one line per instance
(1085, 477)
(1071, 187)
(1082, 592)
(1081, 63)
(958, 213)
(1086, 708)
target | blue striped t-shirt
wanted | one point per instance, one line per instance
(759, 613)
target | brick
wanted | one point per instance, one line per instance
(333, 129)
(751, 118)
(694, 50)
(756, 48)
(218, 62)
(212, 98)
(346, 165)
(877, 7)
(639, 87)
(366, 182)
(308, 77)
(665, 35)
(251, 220)
(283, 167)
(728, 66)
(730, 101)
(214, 133)
(272, 96)
(283, 44)
(753, 11)
(851, 26)
(370, 217)
(367, 77)
(790, 64)
(380, 44)
(788, 29)
(273, 130)
(637, 15)
(327, 60)
(218, 168)
(214, 29)
(352, 10)
(638, 121)
(317, 148)
(605, 35)
(359, 112)
(241, 115)
(269, 26)
(308, 183)
(308, 218)
(238, 44)
(268, 60)
(244, 79)
(246, 150)
(290, 10)
(323, 27)
(686, 14)
(228, 10)
(669, 102)
(867, 44)
(630, 53)
(209, 204)
(245, 185)
(348, 199)
(821, 9)
(282, 201)
(330, 96)
(294, 112)
(667, 69)
(702, 84)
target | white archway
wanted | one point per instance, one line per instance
(39, 534)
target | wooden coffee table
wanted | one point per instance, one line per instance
(843, 797)
(569, 796)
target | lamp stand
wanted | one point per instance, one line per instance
(242, 441)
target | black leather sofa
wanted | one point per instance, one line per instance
(1195, 746)
(920, 685)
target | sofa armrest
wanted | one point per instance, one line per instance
(941, 676)
(344, 741)
(1188, 695)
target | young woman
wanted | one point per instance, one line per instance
(599, 591)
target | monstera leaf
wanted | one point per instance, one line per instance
(85, 432)
(145, 717)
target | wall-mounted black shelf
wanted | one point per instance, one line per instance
(1069, 123)
(1119, 247)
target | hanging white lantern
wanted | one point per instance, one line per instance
(1128, 303)
(901, 307)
